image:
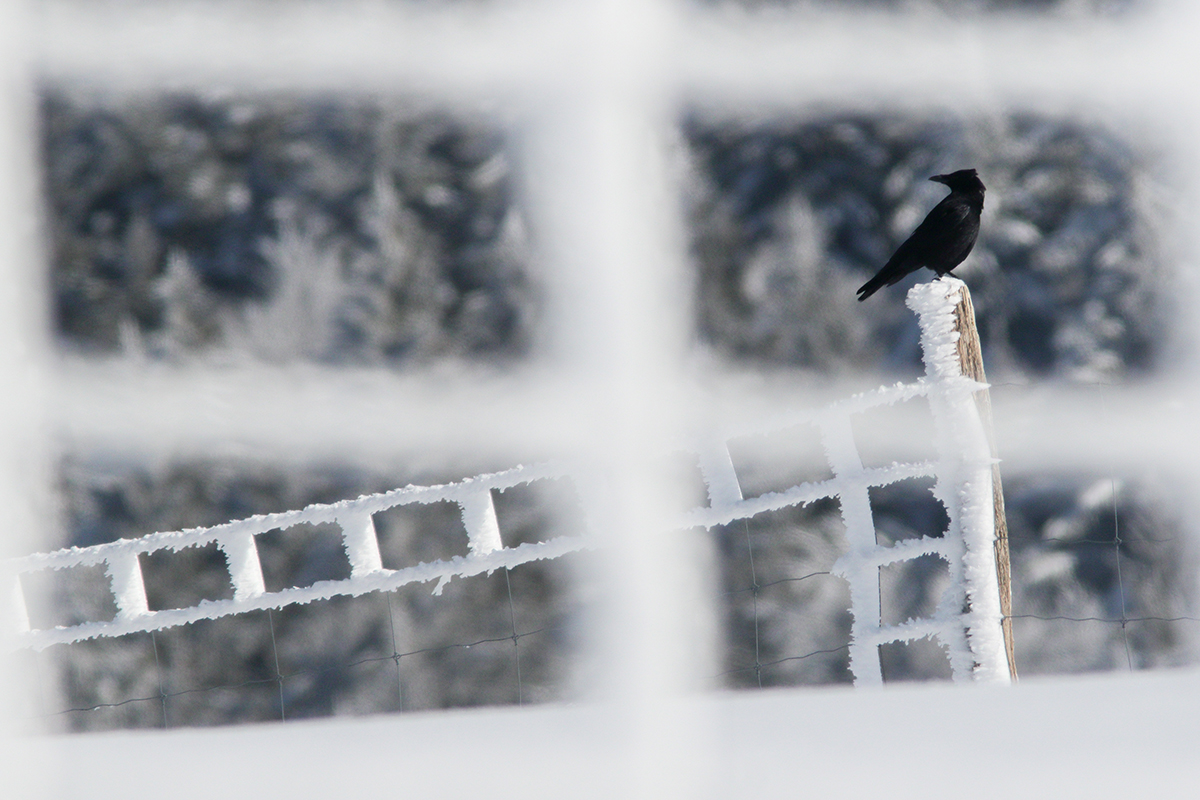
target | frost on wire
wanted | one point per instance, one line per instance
(962, 475)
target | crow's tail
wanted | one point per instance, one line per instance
(871, 287)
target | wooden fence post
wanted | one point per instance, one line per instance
(970, 357)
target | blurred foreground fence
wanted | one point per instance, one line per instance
(592, 81)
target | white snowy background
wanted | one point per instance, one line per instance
(239, 330)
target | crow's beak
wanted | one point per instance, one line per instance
(939, 179)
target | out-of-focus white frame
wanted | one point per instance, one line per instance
(594, 88)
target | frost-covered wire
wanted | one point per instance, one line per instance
(236, 540)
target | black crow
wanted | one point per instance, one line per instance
(943, 240)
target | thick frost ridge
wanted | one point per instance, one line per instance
(236, 541)
(964, 486)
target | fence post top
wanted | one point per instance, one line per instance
(932, 296)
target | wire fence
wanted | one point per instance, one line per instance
(848, 604)
(279, 657)
(740, 673)
(281, 677)
(1123, 619)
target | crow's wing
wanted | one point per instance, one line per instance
(940, 231)
(939, 238)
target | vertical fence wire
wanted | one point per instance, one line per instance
(278, 672)
(395, 654)
(516, 639)
(162, 692)
(754, 589)
(1120, 582)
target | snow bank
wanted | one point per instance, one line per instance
(1112, 736)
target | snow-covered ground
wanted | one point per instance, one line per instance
(1113, 736)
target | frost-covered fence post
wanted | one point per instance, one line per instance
(970, 358)
(965, 474)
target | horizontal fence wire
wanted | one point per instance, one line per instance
(760, 586)
(284, 676)
(757, 668)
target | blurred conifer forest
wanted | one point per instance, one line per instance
(790, 217)
(339, 230)
(360, 232)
